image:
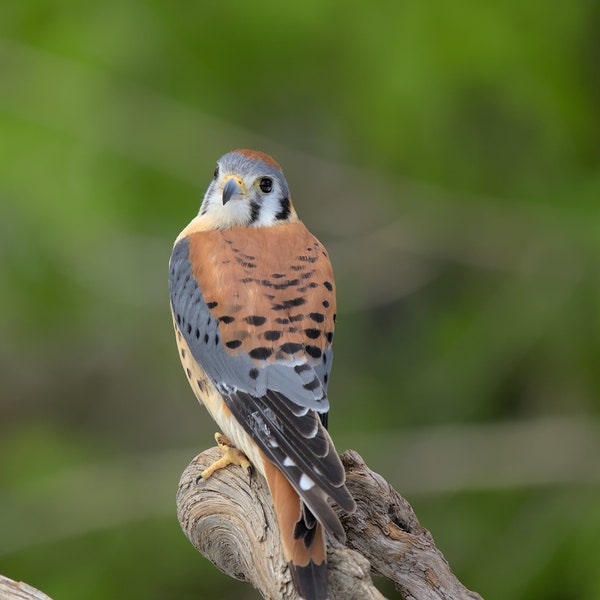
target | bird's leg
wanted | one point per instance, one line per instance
(230, 455)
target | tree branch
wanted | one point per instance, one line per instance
(17, 590)
(231, 522)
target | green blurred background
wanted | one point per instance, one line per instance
(446, 153)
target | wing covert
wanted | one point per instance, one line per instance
(301, 448)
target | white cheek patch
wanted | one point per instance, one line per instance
(270, 206)
(306, 482)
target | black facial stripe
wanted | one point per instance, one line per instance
(254, 212)
(285, 211)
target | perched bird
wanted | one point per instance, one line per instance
(253, 302)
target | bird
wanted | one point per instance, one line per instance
(254, 308)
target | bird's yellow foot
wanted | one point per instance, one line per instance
(230, 455)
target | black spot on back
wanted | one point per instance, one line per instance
(313, 351)
(312, 333)
(255, 320)
(309, 259)
(295, 302)
(289, 303)
(272, 335)
(261, 353)
(253, 373)
(290, 347)
(317, 317)
(233, 344)
(313, 385)
(286, 284)
(246, 264)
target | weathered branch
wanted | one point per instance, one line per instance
(17, 590)
(231, 521)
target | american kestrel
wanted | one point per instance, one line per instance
(253, 302)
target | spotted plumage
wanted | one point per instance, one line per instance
(253, 302)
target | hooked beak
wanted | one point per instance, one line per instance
(232, 187)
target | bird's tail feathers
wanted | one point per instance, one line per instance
(302, 536)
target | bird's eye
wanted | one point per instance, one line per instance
(216, 173)
(266, 184)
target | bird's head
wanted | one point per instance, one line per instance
(248, 190)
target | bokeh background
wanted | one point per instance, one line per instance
(448, 156)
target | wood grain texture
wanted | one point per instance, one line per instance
(232, 523)
(17, 590)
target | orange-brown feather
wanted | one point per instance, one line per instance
(257, 155)
(288, 509)
(285, 299)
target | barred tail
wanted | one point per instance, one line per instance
(302, 537)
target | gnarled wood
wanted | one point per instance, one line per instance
(17, 590)
(231, 521)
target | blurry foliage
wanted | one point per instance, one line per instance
(464, 231)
